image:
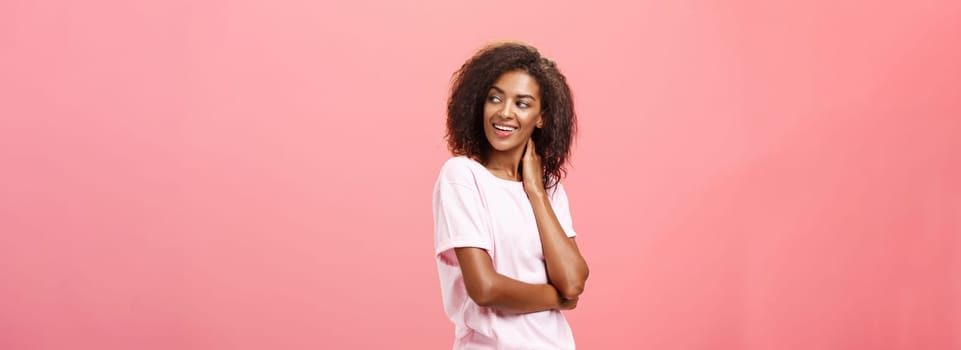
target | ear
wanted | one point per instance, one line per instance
(540, 121)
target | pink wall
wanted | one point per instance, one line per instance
(257, 174)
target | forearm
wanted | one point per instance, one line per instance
(488, 288)
(566, 268)
(513, 296)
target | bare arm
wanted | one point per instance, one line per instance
(566, 268)
(488, 288)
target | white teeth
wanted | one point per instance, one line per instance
(504, 128)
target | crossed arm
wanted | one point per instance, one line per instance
(566, 271)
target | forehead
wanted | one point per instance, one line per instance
(518, 82)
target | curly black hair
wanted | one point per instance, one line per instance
(469, 88)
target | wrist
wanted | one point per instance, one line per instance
(535, 193)
(556, 300)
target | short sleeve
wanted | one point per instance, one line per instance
(458, 216)
(562, 210)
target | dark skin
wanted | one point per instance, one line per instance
(513, 102)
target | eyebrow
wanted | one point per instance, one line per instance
(518, 96)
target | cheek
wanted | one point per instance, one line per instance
(530, 120)
(488, 113)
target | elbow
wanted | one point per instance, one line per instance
(574, 288)
(484, 300)
(483, 294)
(571, 291)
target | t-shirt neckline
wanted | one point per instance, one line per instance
(495, 177)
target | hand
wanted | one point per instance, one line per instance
(568, 304)
(533, 173)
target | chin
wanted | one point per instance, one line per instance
(504, 145)
(501, 148)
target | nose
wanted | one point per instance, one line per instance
(506, 111)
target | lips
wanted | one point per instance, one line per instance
(503, 130)
(503, 127)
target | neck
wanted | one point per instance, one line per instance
(504, 164)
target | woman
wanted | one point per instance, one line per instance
(503, 237)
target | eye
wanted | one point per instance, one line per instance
(494, 99)
(523, 104)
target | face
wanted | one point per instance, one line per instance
(512, 111)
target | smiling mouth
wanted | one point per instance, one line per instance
(505, 128)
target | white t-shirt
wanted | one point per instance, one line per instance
(474, 208)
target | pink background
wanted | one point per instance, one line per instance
(257, 174)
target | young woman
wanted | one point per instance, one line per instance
(503, 238)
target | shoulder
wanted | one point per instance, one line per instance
(459, 169)
(558, 193)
